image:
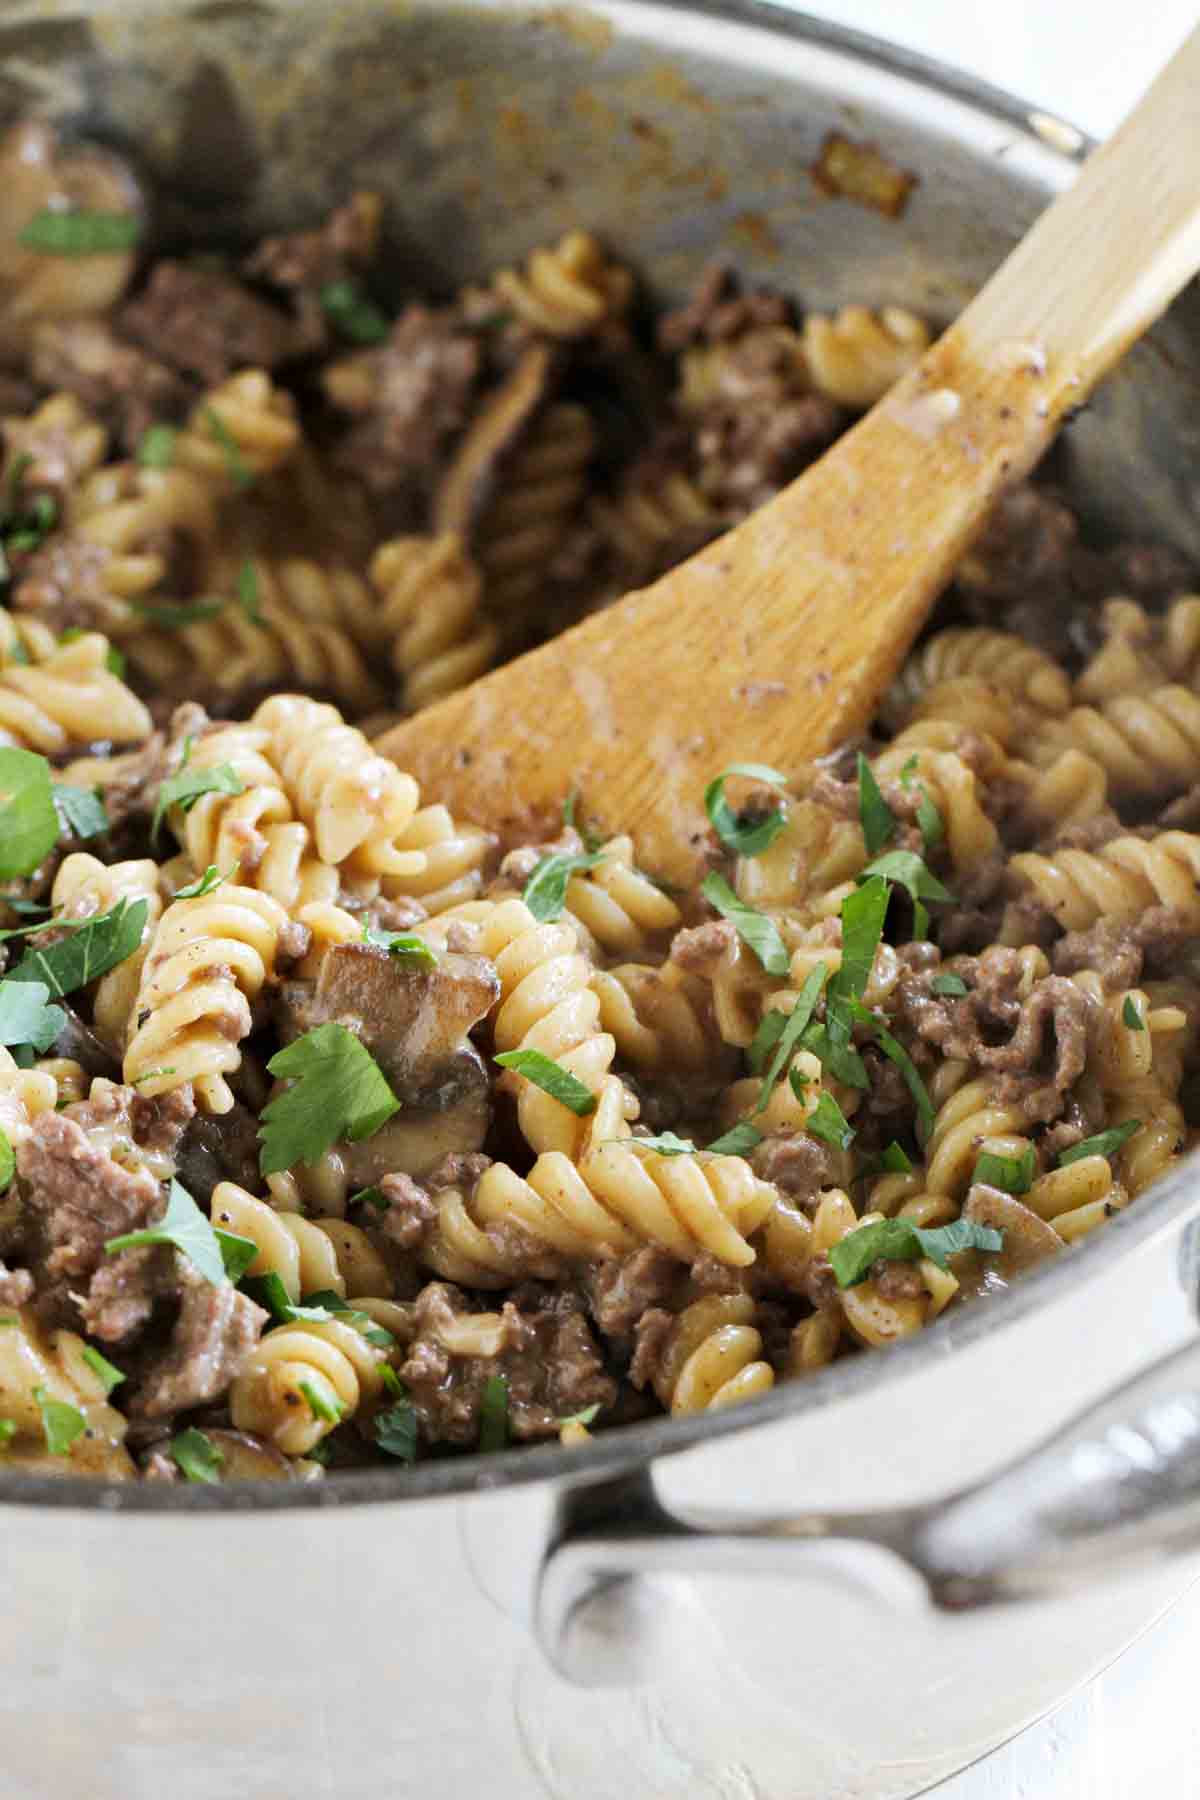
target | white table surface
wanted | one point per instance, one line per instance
(1135, 1732)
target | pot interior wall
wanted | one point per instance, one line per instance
(679, 137)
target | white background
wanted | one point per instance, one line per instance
(1135, 1733)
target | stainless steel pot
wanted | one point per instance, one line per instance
(798, 1599)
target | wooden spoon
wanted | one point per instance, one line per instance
(777, 641)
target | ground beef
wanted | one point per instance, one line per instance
(132, 793)
(120, 383)
(698, 948)
(74, 1197)
(548, 1359)
(16, 1286)
(1026, 545)
(64, 583)
(1087, 834)
(819, 1284)
(301, 264)
(747, 449)
(897, 1280)
(216, 1329)
(123, 1295)
(412, 1211)
(717, 311)
(410, 399)
(650, 1338)
(620, 1289)
(797, 1164)
(207, 324)
(1117, 952)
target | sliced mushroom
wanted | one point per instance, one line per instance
(1027, 1240)
(416, 1140)
(468, 483)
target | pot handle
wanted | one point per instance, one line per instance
(1119, 1485)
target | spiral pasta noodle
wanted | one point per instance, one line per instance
(998, 658)
(526, 524)
(857, 355)
(567, 291)
(85, 887)
(34, 1364)
(310, 1256)
(70, 697)
(1119, 881)
(302, 1380)
(429, 616)
(243, 429)
(713, 1357)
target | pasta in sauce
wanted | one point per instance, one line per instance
(335, 1131)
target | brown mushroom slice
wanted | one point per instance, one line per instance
(1027, 1240)
(246, 1458)
(468, 483)
(36, 175)
(414, 1020)
(415, 1140)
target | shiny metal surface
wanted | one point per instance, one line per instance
(296, 1633)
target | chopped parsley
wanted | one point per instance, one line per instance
(247, 591)
(739, 1140)
(28, 820)
(211, 878)
(370, 1196)
(173, 615)
(907, 869)
(951, 987)
(754, 836)
(25, 1017)
(322, 1402)
(929, 819)
(186, 785)
(793, 1031)
(358, 319)
(110, 1376)
(586, 1417)
(875, 815)
(665, 1144)
(186, 1229)
(405, 946)
(80, 811)
(241, 476)
(1013, 1174)
(895, 1052)
(55, 231)
(899, 1240)
(552, 1078)
(756, 930)
(1131, 1016)
(1105, 1143)
(61, 1424)
(196, 1456)
(493, 1414)
(545, 893)
(863, 913)
(396, 1431)
(156, 449)
(8, 1163)
(327, 1301)
(237, 1253)
(93, 948)
(338, 1092)
(8, 1432)
(827, 1121)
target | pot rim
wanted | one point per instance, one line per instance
(631, 1446)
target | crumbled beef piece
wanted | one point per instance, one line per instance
(747, 448)
(518, 864)
(548, 1358)
(650, 1337)
(301, 263)
(1087, 834)
(123, 1294)
(219, 1149)
(897, 1280)
(1026, 544)
(699, 947)
(126, 388)
(457, 1170)
(159, 1123)
(400, 914)
(216, 1330)
(819, 1284)
(64, 584)
(717, 311)
(410, 399)
(157, 1465)
(620, 1290)
(709, 1275)
(411, 1212)
(1117, 952)
(887, 1094)
(1082, 1117)
(130, 782)
(205, 323)
(1183, 814)
(796, 1163)
(74, 1197)
(16, 1286)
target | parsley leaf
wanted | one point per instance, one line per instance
(755, 929)
(8, 1432)
(767, 1035)
(61, 1423)
(830, 1044)
(1105, 1143)
(899, 1240)
(396, 1431)
(247, 591)
(185, 1227)
(333, 1304)
(545, 892)
(405, 946)
(828, 1121)
(28, 820)
(25, 1018)
(56, 232)
(110, 1376)
(156, 450)
(952, 986)
(753, 838)
(185, 787)
(665, 1144)
(895, 1160)
(929, 819)
(586, 1417)
(863, 914)
(895, 1052)
(739, 1140)
(875, 815)
(356, 317)
(173, 615)
(237, 1253)
(907, 869)
(91, 950)
(790, 1036)
(8, 1162)
(211, 878)
(80, 810)
(338, 1091)
(1014, 1174)
(493, 1414)
(1131, 1016)
(241, 476)
(551, 1077)
(322, 1402)
(370, 1196)
(196, 1456)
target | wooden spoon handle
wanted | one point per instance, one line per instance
(777, 641)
